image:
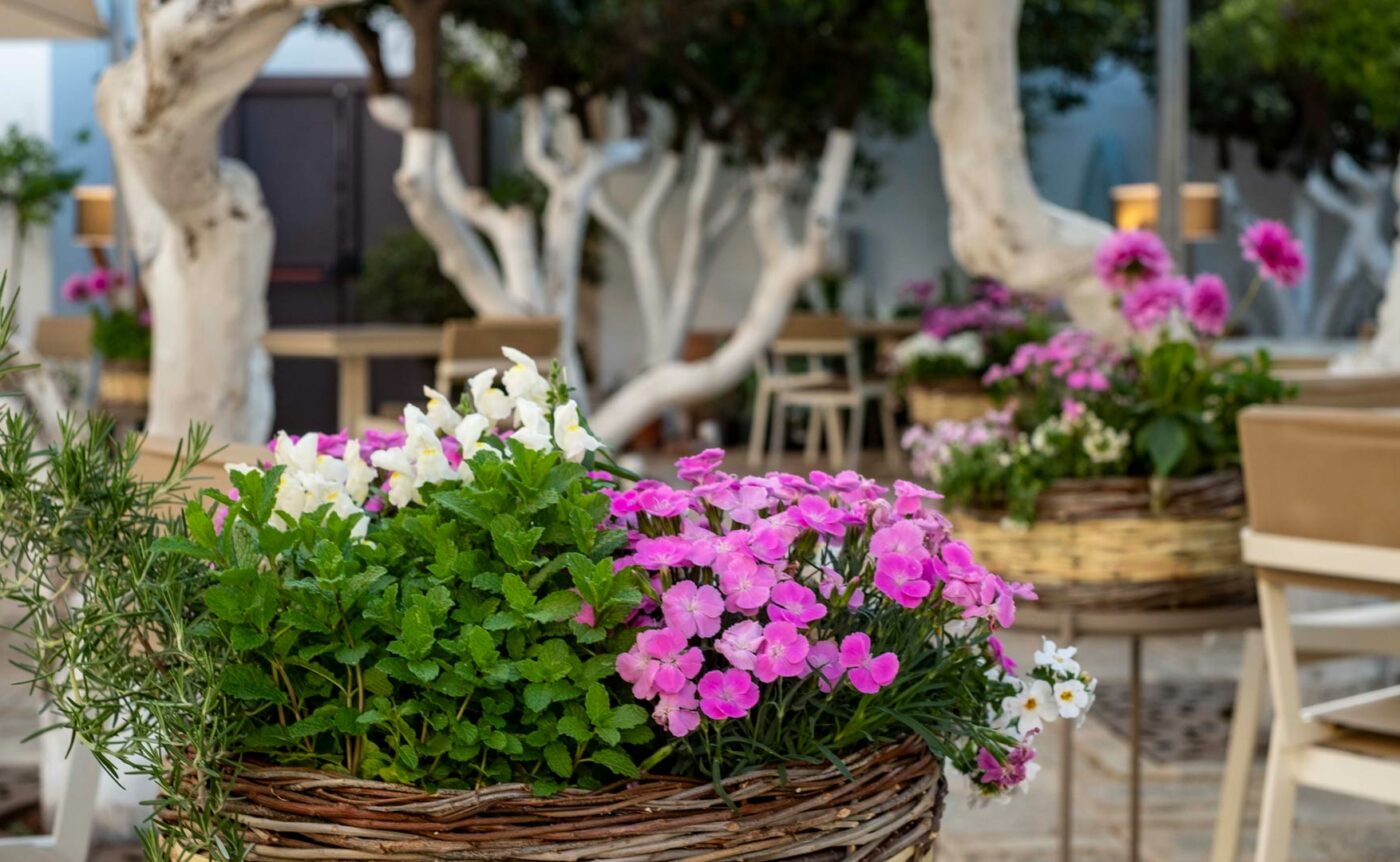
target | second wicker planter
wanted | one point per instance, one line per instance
(929, 405)
(1103, 544)
(890, 809)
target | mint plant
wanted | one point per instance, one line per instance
(452, 646)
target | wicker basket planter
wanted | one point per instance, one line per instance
(1098, 543)
(124, 387)
(891, 810)
(958, 402)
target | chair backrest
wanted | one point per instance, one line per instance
(813, 335)
(64, 337)
(470, 346)
(1322, 388)
(1323, 473)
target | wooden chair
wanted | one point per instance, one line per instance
(822, 340)
(64, 345)
(1322, 388)
(474, 345)
(1324, 493)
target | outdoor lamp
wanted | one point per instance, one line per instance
(1135, 206)
(94, 220)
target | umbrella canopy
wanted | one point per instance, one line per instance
(49, 19)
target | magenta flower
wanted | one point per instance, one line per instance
(1003, 776)
(867, 674)
(1208, 304)
(1130, 257)
(76, 288)
(662, 552)
(698, 468)
(1150, 303)
(745, 583)
(833, 584)
(1072, 410)
(693, 609)
(661, 661)
(586, 615)
(103, 281)
(770, 542)
(825, 658)
(1271, 247)
(784, 652)
(816, 513)
(998, 651)
(909, 498)
(740, 643)
(677, 711)
(727, 694)
(373, 441)
(662, 501)
(902, 578)
(902, 538)
(793, 603)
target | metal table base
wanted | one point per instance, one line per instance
(1068, 624)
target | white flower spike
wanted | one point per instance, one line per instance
(570, 435)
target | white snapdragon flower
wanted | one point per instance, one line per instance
(534, 427)
(358, 474)
(489, 401)
(241, 467)
(440, 414)
(300, 455)
(1032, 707)
(523, 381)
(1071, 698)
(430, 463)
(571, 436)
(291, 494)
(403, 485)
(966, 346)
(1059, 659)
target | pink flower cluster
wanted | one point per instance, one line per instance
(1131, 257)
(1271, 246)
(81, 287)
(746, 591)
(1078, 358)
(991, 310)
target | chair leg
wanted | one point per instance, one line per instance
(777, 425)
(762, 403)
(1280, 795)
(856, 435)
(889, 434)
(1239, 757)
(835, 447)
(812, 446)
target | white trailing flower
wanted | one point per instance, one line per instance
(964, 346)
(571, 437)
(1032, 707)
(1072, 698)
(1058, 659)
(489, 401)
(1105, 445)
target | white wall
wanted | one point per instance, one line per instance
(25, 81)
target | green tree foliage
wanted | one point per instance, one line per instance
(401, 282)
(32, 184)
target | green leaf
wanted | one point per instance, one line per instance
(556, 607)
(482, 647)
(425, 670)
(575, 728)
(556, 756)
(596, 703)
(182, 547)
(272, 541)
(515, 545)
(351, 655)
(244, 638)
(200, 526)
(502, 621)
(1165, 440)
(247, 682)
(626, 716)
(517, 593)
(416, 639)
(538, 696)
(616, 761)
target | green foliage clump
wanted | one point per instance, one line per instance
(401, 282)
(120, 334)
(444, 649)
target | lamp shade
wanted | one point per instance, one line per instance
(50, 19)
(1135, 206)
(94, 216)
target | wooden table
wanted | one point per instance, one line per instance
(352, 346)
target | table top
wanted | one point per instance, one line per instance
(354, 340)
(897, 328)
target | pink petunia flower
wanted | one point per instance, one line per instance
(740, 643)
(677, 711)
(1271, 247)
(902, 578)
(793, 603)
(784, 652)
(745, 583)
(727, 694)
(868, 674)
(1150, 303)
(1208, 304)
(693, 609)
(1131, 257)
(76, 288)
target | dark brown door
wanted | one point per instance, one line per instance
(327, 171)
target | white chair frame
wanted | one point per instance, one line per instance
(73, 820)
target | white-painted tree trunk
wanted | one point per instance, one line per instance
(203, 236)
(1358, 199)
(787, 263)
(1383, 352)
(1000, 225)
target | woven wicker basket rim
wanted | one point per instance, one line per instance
(1210, 496)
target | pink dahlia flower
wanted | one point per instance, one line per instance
(1150, 304)
(1208, 304)
(1131, 257)
(1270, 246)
